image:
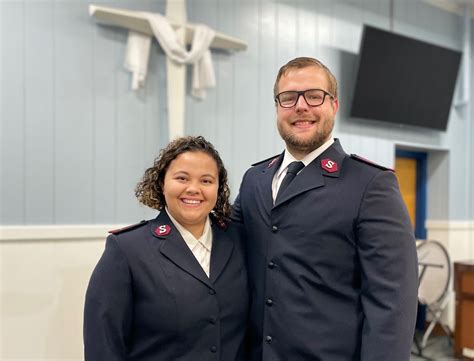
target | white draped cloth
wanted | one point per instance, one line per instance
(138, 53)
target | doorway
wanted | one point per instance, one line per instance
(411, 172)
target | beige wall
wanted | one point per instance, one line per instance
(458, 239)
(44, 272)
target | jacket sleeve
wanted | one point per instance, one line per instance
(237, 211)
(389, 281)
(108, 307)
(237, 214)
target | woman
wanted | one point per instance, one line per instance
(175, 287)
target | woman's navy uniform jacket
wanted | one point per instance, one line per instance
(333, 262)
(149, 298)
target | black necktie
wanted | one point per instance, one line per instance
(293, 169)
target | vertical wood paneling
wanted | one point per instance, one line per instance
(384, 152)
(307, 20)
(201, 114)
(74, 131)
(13, 113)
(157, 92)
(376, 13)
(286, 32)
(75, 139)
(2, 160)
(438, 204)
(160, 95)
(269, 142)
(324, 11)
(457, 199)
(104, 54)
(39, 113)
(130, 137)
(225, 67)
(154, 133)
(346, 26)
(246, 81)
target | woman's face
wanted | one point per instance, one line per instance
(190, 189)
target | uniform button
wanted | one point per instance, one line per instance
(269, 302)
(268, 339)
(274, 228)
(211, 291)
(213, 349)
(271, 265)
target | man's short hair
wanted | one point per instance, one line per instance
(303, 62)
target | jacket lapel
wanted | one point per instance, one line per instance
(222, 247)
(265, 182)
(312, 176)
(175, 248)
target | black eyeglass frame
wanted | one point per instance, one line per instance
(302, 93)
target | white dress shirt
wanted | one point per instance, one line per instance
(288, 158)
(201, 247)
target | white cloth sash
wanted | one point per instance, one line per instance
(138, 52)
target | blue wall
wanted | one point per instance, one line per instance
(75, 139)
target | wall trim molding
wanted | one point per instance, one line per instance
(56, 232)
(449, 225)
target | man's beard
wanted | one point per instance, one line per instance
(308, 145)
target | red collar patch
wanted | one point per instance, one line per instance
(329, 165)
(272, 162)
(162, 230)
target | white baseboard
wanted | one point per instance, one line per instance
(55, 232)
(449, 225)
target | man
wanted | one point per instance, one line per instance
(331, 257)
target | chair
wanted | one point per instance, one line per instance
(434, 267)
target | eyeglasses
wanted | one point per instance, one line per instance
(313, 97)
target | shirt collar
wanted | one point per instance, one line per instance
(191, 241)
(288, 158)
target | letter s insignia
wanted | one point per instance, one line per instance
(329, 165)
(162, 230)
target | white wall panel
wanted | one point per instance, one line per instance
(437, 200)
(76, 139)
(105, 65)
(346, 25)
(224, 63)
(39, 126)
(268, 142)
(246, 102)
(74, 131)
(201, 114)
(13, 113)
(286, 31)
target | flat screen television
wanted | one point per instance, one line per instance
(405, 81)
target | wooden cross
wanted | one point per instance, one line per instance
(176, 73)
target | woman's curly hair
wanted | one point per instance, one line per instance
(149, 190)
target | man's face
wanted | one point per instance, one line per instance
(305, 128)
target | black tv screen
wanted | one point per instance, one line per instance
(404, 81)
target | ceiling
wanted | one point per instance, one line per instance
(455, 6)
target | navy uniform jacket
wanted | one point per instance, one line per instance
(332, 265)
(149, 299)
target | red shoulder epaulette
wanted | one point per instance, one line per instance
(369, 162)
(127, 228)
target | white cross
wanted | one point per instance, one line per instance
(176, 73)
